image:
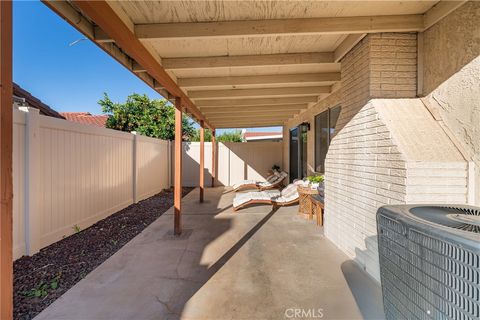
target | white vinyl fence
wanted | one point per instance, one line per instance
(236, 161)
(68, 174)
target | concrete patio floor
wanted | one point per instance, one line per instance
(256, 263)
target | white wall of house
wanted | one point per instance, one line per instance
(68, 174)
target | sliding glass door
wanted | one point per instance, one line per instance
(298, 152)
(325, 124)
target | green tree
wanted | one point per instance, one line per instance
(196, 135)
(150, 117)
(229, 136)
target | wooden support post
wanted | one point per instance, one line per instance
(213, 158)
(6, 151)
(178, 167)
(202, 160)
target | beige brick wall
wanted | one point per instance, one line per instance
(372, 162)
(382, 65)
(393, 65)
(359, 179)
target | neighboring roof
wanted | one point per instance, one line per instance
(250, 136)
(86, 118)
(19, 92)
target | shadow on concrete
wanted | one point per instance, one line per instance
(359, 282)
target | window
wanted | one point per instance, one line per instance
(325, 123)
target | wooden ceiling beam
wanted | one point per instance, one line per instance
(137, 68)
(440, 11)
(253, 113)
(313, 78)
(235, 116)
(346, 45)
(106, 18)
(268, 108)
(255, 93)
(275, 27)
(247, 60)
(255, 101)
(248, 124)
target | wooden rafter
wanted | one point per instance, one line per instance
(247, 109)
(347, 44)
(253, 114)
(247, 124)
(255, 102)
(258, 93)
(440, 11)
(242, 109)
(305, 78)
(106, 18)
(247, 117)
(248, 60)
(328, 25)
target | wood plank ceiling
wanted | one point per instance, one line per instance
(257, 63)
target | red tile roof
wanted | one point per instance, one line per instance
(86, 118)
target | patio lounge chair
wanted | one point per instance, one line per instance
(273, 181)
(287, 196)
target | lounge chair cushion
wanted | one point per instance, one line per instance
(291, 194)
(275, 178)
(243, 198)
(289, 190)
(290, 197)
(271, 178)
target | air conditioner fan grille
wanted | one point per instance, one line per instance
(453, 217)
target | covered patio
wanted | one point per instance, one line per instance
(232, 64)
(259, 263)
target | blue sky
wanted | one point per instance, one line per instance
(66, 77)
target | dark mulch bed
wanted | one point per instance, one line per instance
(42, 278)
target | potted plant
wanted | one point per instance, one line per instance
(315, 181)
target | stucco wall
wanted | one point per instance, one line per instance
(452, 79)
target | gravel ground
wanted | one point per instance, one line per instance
(42, 278)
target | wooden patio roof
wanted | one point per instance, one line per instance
(226, 63)
(223, 58)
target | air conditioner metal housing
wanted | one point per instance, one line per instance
(430, 261)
